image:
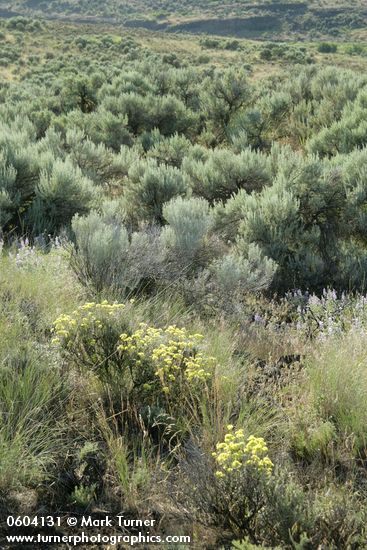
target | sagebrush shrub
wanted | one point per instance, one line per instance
(189, 221)
(149, 186)
(223, 173)
(107, 257)
(236, 273)
(60, 194)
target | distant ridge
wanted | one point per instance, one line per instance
(272, 19)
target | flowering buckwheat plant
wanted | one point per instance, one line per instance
(172, 351)
(150, 363)
(236, 452)
(89, 335)
(89, 319)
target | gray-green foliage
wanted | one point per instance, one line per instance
(189, 221)
(181, 199)
(222, 95)
(21, 165)
(297, 221)
(101, 126)
(143, 113)
(344, 134)
(222, 173)
(272, 222)
(97, 162)
(7, 180)
(228, 215)
(40, 188)
(100, 249)
(354, 175)
(149, 186)
(309, 220)
(171, 150)
(106, 256)
(147, 130)
(236, 274)
(61, 192)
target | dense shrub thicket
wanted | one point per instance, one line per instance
(280, 164)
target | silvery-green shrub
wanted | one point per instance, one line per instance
(107, 257)
(61, 193)
(189, 221)
(224, 173)
(149, 186)
(235, 273)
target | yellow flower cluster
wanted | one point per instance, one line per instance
(235, 452)
(172, 350)
(87, 317)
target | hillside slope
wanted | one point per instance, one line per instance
(246, 18)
